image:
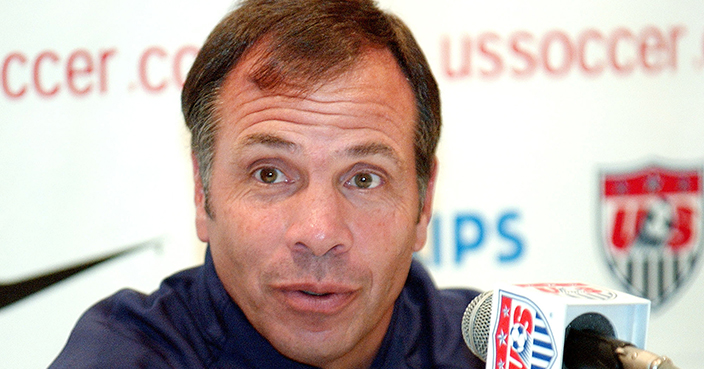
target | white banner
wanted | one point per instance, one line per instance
(568, 126)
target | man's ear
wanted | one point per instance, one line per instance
(202, 216)
(426, 210)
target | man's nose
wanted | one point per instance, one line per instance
(319, 222)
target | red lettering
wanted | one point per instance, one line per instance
(618, 237)
(50, 74)
(143, 72)
(104, 56)
(555, 287)
(622, 236)
(465, 58)
(547, 289)
(79, 64)
(594, 37)
(591, 290)
(517, 42)
(492, 55)
(5, 75)
(683, 229)
(516, 362)
(81, 72)
(622, 51)
(675, 33)
(561, 39)
(523, 317)
(51, 56)
(654, 50)
(618, 36)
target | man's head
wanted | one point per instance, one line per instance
(309, 179)
(304, 43)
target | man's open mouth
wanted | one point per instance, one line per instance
(316, 299)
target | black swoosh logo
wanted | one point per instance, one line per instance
(16, 291)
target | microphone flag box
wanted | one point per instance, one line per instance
(529, 321)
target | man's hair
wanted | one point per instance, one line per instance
(303, 44)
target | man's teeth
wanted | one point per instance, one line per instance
(314, 294)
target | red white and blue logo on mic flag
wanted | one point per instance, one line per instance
(651, 227)
(575, 290)
(522, 336)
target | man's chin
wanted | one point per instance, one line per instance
(317, 348)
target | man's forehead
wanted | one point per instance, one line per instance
(375, 80)
(355, 150)
(259, 66)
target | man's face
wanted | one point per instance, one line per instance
(315, 208)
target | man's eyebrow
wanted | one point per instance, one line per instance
(270, 140)
(356, 151)
(372, 148)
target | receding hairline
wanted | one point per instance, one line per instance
(258, 57)
(241, 75)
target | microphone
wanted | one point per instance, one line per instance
(559, 325)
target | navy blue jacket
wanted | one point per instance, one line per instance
(191, 322)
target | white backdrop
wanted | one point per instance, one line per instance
(540, 100)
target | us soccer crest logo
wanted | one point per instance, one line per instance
(522, 337)
(651, 227)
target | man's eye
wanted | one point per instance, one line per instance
(269, 175)
(365, 180)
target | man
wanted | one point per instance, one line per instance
(314, 126)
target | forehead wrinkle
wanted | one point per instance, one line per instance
(269, 140)
(322, 105)
(370, 149)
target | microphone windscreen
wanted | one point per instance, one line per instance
(476, 322)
